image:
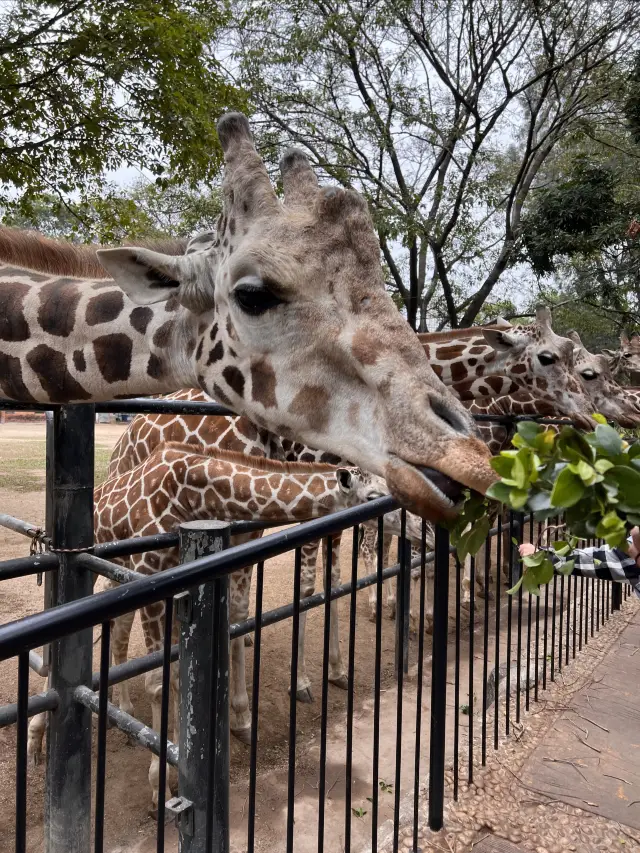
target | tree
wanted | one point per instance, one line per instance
(87, 85)
(144, 209)
(441, 113)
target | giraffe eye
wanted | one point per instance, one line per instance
(373, 496)
(253, 297)
(626, 355)
(547, 358)
(589, 374)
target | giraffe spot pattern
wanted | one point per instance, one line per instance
(113, 356)
(162, 335)
(215, 353)
(263, 383)
(50, 366)
(13, 324)
(104, 308)
(155, 367)
(140, 318)
(312, 402)
(234, 379)
(11, 381)
(58, 303)
(458, 371)
(79, 361)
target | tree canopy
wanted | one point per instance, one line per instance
(89, 85)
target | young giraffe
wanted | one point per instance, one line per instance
(184, 482)
(285, 320)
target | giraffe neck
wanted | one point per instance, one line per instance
(227, 486)
(75, 340)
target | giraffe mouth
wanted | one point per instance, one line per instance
(446, 487)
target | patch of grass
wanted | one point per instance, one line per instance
(22, 465)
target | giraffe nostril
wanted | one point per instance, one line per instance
(448, 414)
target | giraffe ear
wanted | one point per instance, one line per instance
(500, 341)
(345, 479)
(147, 277)
(609, 353)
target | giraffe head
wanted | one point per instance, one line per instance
(296, 330)
(544, 363)
(360, 486)
(626, 359)
(609, 398)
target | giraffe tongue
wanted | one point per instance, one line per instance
(452, 489)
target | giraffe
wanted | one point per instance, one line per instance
(494, 361)
(625, 361)
(609, 398)
(285, 320)
(184, 482)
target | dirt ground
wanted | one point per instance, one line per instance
(128, 799)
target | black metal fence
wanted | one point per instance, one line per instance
(373, 748)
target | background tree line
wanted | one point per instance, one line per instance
(496, 141)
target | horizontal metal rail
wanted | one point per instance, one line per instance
(38, 665)
(40, 628)
(107, 569)
(47, 701)
(136, 730)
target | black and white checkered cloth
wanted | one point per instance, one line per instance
(603, 562)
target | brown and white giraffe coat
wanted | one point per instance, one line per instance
(181, 482)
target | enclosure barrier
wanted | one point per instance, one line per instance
(196, 595)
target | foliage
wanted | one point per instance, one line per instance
(143, 209)
(88, 86)
(442, 114)
(593, 479)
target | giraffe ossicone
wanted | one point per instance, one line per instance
(285, 319)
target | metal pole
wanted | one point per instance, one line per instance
(203, 768)
(439, 680)
(616, 596)
(70, 463)
(403, 605)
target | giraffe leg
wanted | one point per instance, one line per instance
(35, 736)
(308, 560)
(120, 633)
(337, 674)
(240, 713)
(428, 601)
(389, 587)
(367, 548)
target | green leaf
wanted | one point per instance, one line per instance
(603, 465)
(503, 466)
(517, 586)
(567, 490)
(567, 567)
(529, 430)
(599, 418)
(608, 440)
(518, 498)
(499, 491)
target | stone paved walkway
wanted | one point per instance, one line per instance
(568, 779)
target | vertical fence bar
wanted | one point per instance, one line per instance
(496, 665)
(70, 461)
(485, 645)
(203, 770)
(324, 703)
(255, 707)
(21, 753)
(376, 688)
(350, 678)
(439, 680)
(404, 600)
(164, 720)
(616, 596)
(101, 763)
(507, 716)
(456, 688)
(520, 538)
(295, 635)
(472, 627)
(416, 778)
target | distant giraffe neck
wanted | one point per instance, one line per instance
(461, 362)
(177, 483)
(498, 435)
(66, 339)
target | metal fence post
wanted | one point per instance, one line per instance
(439, 680)
(70, 462)
(616, 596)
(403, 605)
(203, 613)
